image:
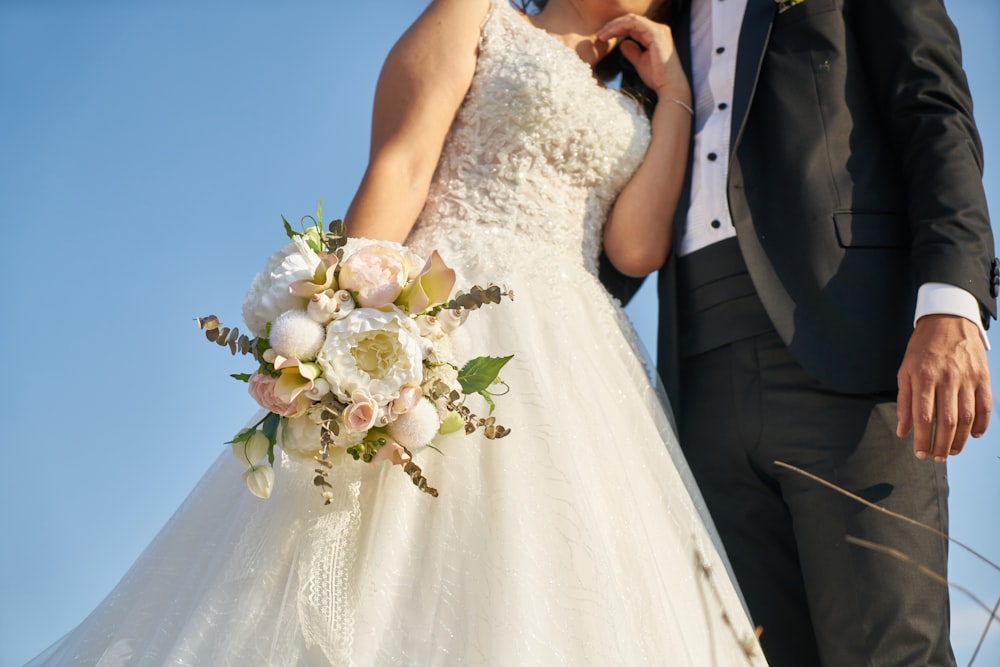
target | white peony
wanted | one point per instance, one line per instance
(295, 335)
(375, 351)
(268, 295)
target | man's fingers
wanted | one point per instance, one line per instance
(947, 428)
(904, 406)
(984, 407)
(923, 419)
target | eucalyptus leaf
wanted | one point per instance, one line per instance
(479, 373)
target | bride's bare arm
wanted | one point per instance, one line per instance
(423, 82)
(638, 234)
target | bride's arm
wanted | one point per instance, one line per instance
(638, 234)
(423, 82)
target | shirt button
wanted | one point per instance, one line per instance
(721, 50)
(723, 106)
(712, 157)
(716, 224)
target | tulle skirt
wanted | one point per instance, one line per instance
(579, 539)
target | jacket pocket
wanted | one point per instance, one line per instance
(871, 229)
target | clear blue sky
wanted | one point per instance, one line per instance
(147, 150)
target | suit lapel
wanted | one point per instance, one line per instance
(753, 40)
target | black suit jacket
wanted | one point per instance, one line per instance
(855, 176)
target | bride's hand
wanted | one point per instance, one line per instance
(649, 46)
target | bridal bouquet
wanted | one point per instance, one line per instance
(353, 338)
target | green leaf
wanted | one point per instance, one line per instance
(242, 377)
(489, 400)
(269, 425)
(242, 436)
(288, 229)
(319, 213)
(477, 375)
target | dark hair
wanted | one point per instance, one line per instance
(667, 12)
(615, 64)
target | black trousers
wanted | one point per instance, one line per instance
(819, 599)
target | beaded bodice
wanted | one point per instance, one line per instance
(536, 156)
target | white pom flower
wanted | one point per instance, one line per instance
(268, 295)
(295, 335)
(416, 427)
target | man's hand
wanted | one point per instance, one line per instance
(944, 386)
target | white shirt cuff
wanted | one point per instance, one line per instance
(945, 299)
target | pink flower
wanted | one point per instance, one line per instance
(409, 396)
(362, 413)
(392, 452)
(261, 387)
(377, 274)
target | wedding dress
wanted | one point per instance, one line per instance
(579, 539)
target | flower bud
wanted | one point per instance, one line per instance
(260, 480)
(250, 451)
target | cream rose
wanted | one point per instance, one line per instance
(374, 351)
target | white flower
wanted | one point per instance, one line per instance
(268, 295)
(260, 480)
(451, 319)
(320, 389)
(300, 436)
(374, 351)
(330, 305)
(250, 451)
(296, 335)
(416, 427)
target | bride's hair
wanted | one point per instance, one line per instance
(665, 14)
(615, 64)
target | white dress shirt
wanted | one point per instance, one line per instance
(715, 31)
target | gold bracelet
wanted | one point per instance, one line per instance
(682, 104)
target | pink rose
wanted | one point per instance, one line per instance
(376, 273)
(261, 387)
(362, 413)
(409, 396)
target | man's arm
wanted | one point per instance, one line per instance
(913, 60)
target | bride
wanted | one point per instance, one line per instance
(579, 539)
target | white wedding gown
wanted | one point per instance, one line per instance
(577, 540)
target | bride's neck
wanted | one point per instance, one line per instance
(564, 20)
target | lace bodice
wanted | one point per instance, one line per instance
(536, 156)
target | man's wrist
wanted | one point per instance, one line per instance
(945, 299)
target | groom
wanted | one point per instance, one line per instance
(826, 307)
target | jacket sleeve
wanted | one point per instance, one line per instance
(913, 62)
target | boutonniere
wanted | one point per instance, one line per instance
(785, 5)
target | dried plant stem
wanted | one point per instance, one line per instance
(986, 630)
(883, 510)
(900, 556)
(747, 643)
